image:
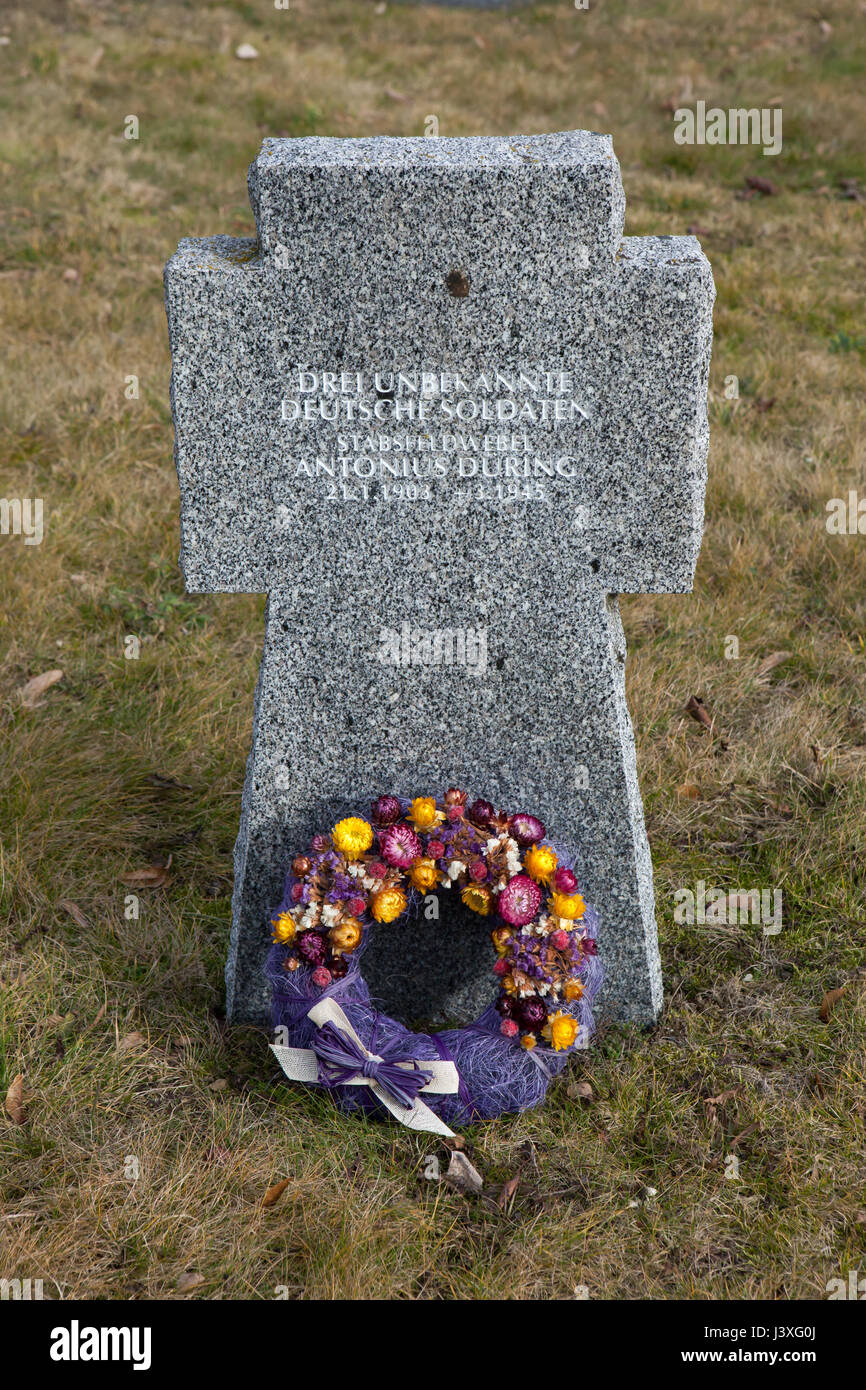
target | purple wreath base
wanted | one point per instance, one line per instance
(497, 1075)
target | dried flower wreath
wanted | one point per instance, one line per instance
(376, 872)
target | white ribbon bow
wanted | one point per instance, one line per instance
(302, 1064)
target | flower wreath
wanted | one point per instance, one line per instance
(375, 871)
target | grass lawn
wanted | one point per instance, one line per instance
(138, 1144)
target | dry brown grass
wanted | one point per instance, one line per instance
(79, 806)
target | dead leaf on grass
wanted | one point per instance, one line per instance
(689, 791)
(772, 661)
(14, 1102)
(154, 876)
(762, 186)
(75, 913)
(130, 1043)
(29, 694)
(189, 1280)
(581, 1090)
(455, 1142)
(698, 710)
(274, 1193)
(508, 1190)
(830, 1000)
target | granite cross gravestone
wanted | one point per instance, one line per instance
(442, 413)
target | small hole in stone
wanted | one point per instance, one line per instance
(457, 282)
(595, 566)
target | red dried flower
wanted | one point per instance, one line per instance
(480, 812)
(386, 810)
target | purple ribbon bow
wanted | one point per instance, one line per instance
(341, 1059)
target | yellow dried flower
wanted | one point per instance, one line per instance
(573, 990)
(387, 904)
(561, 1030)
(479, 897)
(501, 936)
(424, 874)
(352, 836)
(284, 929)
(423, 814)
(568, 905)
(346, 936)
(528, 1041)
(540, 862)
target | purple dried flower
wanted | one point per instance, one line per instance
(313, 947)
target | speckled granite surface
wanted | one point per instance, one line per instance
(512, 430)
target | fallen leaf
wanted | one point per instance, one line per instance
(830, 1000)
(825, 28)
(98, 1019)
(15, 1100)
(29, 693)
(762, 186)
(98, 56)
(189, 1280)
(274, 1193)
(158, 779)
(155, 876)
(698, 710)
(581, 1090)
(246, 51)
(772, 661)
(508, 1190)
(762, 405)
(478, 41)
(130, 1042)
(394, 95)
(71, 275)
(219, 1085)
(689, 791)
(743, 1134)
(75, 913)
(454, 1142)
(461, 1175)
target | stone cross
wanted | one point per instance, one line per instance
(442, 413)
